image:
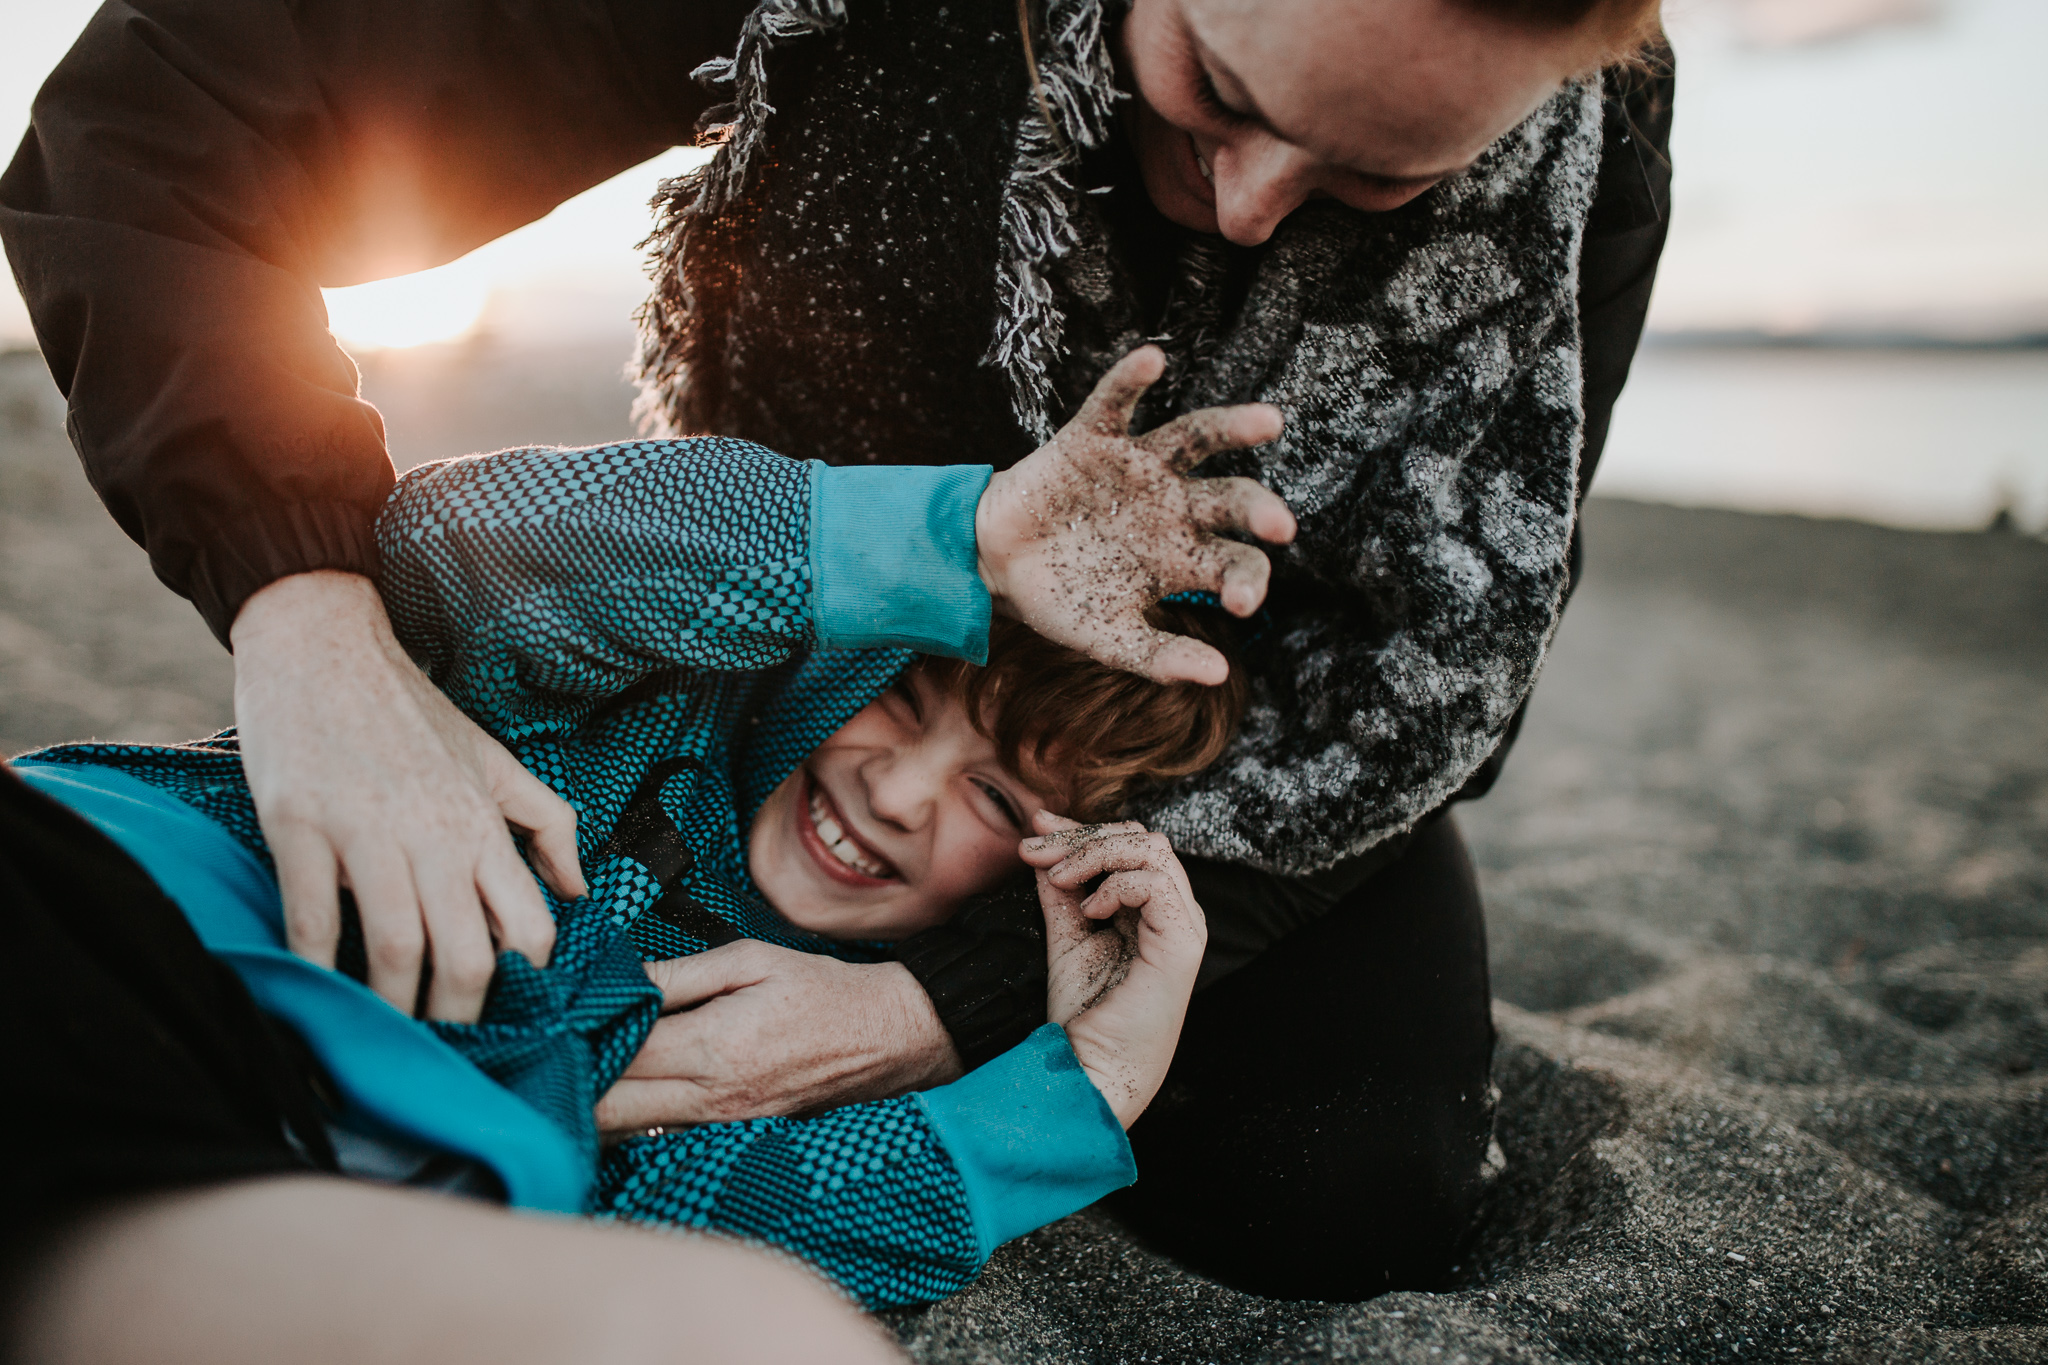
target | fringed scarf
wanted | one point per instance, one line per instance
(893, 257)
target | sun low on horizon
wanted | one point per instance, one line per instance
(442, 304)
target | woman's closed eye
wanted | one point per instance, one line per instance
(1211, 100)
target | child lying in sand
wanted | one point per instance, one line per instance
(700, 644)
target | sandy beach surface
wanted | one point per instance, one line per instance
(1768, 890)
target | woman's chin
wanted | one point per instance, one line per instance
(1191, 213)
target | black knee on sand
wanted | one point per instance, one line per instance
(1323, 1130)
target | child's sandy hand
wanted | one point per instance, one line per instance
(1079, 538)
(1121, 962)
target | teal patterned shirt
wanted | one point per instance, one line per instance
(661, 631)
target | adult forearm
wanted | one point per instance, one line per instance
(195, 172)
(212, 412)
(325, 1272)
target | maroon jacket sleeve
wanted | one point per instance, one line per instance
(196, 170)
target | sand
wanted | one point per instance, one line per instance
(1768, 891)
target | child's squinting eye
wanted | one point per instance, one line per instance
(906, 692)
(1003, 802)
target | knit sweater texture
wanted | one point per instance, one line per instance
(662, 631)
(889, 208)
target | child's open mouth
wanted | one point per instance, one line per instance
(829, 838)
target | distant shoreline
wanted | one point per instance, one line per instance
(1760, 339)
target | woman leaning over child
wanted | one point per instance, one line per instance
(707, 649)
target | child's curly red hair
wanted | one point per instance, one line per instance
(1098, 732)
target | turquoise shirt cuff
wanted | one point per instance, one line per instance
(893, 560)
(1031, 1136)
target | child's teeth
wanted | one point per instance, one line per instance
(834, 838)
(846, 851)
(828, 828)
(853, 858)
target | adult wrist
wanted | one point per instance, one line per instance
(235, 559)
(322, 602)
(931, 1058)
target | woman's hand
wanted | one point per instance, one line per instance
(365, 776)
(1122, 961)
(765, 1030)
(1079, 538)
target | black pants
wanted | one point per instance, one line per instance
(1320, 1134)
(1323, 1128)
(136, 1062)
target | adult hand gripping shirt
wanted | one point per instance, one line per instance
(661, 631)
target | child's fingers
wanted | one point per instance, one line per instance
(1110, 407)
(1240, 505)
(1236, 573)
(1150, 890)
(1075, 855)
(1065, 925)
(1179, 875)
(1193, 437)
(1167, 926)
(1040, 855)
(1172, 658)
(1117, 853)
(1133, 889)
(1054, 844)
(1047, 822)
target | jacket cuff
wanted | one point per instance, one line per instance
(985, 971)
(237, 561)
(893, 559)
(1032, 1138)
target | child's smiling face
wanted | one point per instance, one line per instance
(895, 820)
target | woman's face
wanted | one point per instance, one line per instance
(893, 821)
(1247, 108)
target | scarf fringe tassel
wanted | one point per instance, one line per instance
(671, 326)
(1079, 89)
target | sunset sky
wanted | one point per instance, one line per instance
(1893, 174)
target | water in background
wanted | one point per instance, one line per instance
(1844, 167)
(1938, 439)
(1923, 438)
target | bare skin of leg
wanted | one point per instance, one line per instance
(321, 1272)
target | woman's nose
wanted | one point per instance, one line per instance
(1258, 182)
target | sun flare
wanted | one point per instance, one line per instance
(442, 304)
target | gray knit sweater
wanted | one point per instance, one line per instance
(893, 257)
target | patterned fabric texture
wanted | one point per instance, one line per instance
(890, 218)
(632, 621)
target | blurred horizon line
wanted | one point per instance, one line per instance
(487, 338)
